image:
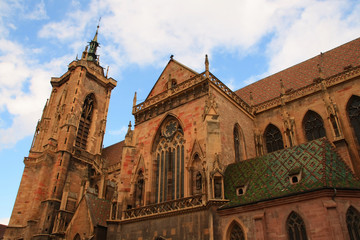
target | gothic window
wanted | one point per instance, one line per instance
(170, 161)
(236, 232)
(85, 121)
(139, 189)
(273, 139)
(295, 227)
(353, 223)
(77, 237)
(237, 143)
(313, 126)
(353, 109)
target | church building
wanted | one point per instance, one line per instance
(278, 159)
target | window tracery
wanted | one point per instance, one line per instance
(296, 227)
(353, 223)
(353, 110)
(313, 126)
(273, 139)
(236, 232)
(237, 144)
(170, 162)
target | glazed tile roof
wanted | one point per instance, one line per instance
(113, 153)
(99, 209)
(267, 177)
(333, 62)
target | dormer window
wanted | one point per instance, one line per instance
(295, 175)
(241, 190)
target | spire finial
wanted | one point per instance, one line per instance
(206, 66)
(93, 46)
(134, 100)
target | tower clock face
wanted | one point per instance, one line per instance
(170, 128)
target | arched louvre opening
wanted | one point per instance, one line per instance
(313, 126)
(353, 223)
(353, 110)
(296, 227)
(170, 162)
(273, 139)
(77, 237)
(85, 121)
(236, 232)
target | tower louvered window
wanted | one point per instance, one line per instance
(236, 232)
(273, 139)
(296, 227)
(170, 162)
(353, 109)
(353, 223)
(85, 122)
(313, 126)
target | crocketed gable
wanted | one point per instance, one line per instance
(267, 177)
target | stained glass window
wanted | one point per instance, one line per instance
(236, 233)
(296, 227)
(353, 109)
(353, 223)
(273, 139)
(313, 126)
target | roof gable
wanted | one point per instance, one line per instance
(174, 71)
(332, 62)
(267, 177)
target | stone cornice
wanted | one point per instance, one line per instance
(309, 89)
(93, 71)
(317, 194)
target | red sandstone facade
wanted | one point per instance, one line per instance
(166, 179)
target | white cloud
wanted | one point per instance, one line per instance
(146, 32)
(38, 12)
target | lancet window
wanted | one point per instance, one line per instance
(353, 110)
(296, 227)
(273, 138)
(353, 223)
(170, 162)
(85, 121)
(313, 126)
(236, 232)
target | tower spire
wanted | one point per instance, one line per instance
(93, 46)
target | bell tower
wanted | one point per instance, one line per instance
(66, 150)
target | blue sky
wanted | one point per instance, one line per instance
(245, 40)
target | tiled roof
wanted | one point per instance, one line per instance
(333, 62)
(113, 153)
(99, 209)
(267, 177)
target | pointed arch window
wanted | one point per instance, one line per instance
(313, 126)
(353, 110)
(353, 223)
(85, 121)
(273, 138)
(170, 161)
(296, 227)
(236, 232)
